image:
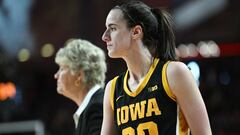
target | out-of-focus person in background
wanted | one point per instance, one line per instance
(157, 95)
(81, 78)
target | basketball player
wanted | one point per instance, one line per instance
(157, 95)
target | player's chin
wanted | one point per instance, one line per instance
(112, 55)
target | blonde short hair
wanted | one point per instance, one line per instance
(79, 54)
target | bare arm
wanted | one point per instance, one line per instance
(108, 127)
(184, 87)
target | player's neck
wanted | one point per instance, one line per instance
(139, 67)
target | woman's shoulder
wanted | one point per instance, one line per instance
(97, 97)
(177, 68)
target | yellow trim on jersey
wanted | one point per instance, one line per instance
(182, 128)
(112, 89)
(144, 82)
(165, 82)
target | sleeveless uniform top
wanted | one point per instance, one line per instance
(151, 109)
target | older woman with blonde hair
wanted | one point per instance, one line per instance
(81, 77)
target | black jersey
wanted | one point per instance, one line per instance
(151, 109)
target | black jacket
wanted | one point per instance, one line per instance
(90, 121)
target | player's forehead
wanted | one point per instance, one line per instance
(115, 17)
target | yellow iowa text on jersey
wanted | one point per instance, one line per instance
(137, 111)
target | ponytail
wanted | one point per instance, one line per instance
(165, 46)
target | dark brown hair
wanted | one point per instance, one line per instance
(157, 27)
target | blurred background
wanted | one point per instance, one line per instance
(31, 31)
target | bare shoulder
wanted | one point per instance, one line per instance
(179, 77)
(178, 72)
(108, 89)
(108, 86)
(177, 68)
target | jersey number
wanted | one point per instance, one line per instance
(149, 128)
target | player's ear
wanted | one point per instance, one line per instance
(137, 32)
